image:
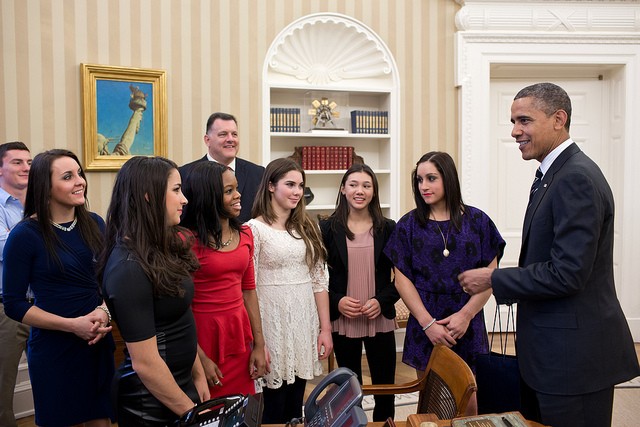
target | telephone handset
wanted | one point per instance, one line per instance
(340, 405)
(234, 410)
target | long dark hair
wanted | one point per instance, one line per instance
(452, 194)
(298, 219)
(137, 219)
(37, 204)
(204, 189)
(341, 214)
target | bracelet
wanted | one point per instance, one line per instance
(106, 310)
(429, 325)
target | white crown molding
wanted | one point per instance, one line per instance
(599, 16)
(326, 48)
(502, 37)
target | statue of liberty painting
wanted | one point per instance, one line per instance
(112, 101)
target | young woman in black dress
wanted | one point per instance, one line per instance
(146, 275)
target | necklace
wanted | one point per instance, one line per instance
(228, 242)
(445, 252)
(63, 228)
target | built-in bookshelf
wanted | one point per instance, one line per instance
(336, 58)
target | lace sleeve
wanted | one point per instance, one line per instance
(256, 248)
(320, 277)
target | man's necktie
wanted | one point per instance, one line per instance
(535, 185)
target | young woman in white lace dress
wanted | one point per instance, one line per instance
(292, 286)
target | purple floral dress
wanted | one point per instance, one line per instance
(417, 252)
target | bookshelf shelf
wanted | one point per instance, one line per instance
(333, 56)
(368, 136)
(341, 171)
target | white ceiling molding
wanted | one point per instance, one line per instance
(549, 16)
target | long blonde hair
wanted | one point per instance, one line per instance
(298, 219)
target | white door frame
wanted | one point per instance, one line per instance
(481, 43)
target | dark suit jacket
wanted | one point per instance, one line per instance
(572, 336)
(337, 260)
(248, 175)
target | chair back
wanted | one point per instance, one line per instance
(445, 388)
(449, 384)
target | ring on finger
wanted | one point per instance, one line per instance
(216, 382)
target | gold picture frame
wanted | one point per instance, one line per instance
(124, 115)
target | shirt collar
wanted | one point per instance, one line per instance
(5, 197)
(232, 165)
(553, 155)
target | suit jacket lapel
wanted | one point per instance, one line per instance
(378, 245)
(547, 179)
(241, 173)
(340, 241)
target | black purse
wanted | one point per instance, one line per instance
(497, 373)
(235, 410)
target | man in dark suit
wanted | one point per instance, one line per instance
(222, 141)
(573, 341)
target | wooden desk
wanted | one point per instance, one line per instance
(416, 419)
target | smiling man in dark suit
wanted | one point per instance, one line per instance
(223, 143)
(573, 341)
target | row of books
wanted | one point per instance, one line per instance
(285, 119)
(326, 158)
(369, 121)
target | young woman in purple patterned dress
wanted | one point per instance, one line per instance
(430, 246)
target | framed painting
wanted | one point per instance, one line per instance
(124, 115)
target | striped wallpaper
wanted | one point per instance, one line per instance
(213, 52)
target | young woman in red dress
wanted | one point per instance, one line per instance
(225, 303)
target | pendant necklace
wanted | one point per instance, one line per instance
(63, 228)
(445, 252)
(228, 242)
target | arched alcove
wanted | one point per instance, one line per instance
(334, 56)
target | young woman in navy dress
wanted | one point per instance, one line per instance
(53, 251)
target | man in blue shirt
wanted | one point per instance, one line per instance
(15, 162)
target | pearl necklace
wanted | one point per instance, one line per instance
(63, 228)
(445, 252)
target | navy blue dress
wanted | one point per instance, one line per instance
(417, 252)
(70, 379)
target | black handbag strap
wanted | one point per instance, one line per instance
(511, 322)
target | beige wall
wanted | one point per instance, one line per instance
(213, 53)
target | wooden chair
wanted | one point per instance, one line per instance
(445, 388)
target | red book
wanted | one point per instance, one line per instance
(305, 158)
(323, 158)
(334, 158)
(314, 158)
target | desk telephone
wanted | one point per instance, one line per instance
(340, 405)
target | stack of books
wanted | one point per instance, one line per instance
(285, 119)
(326, 158)
(369, 122)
